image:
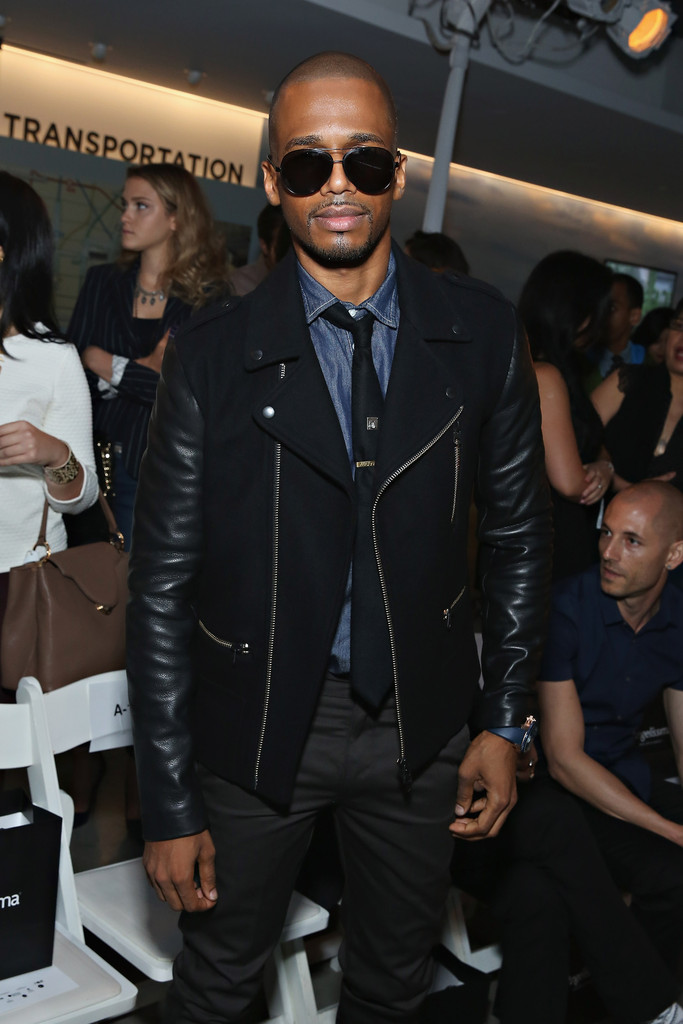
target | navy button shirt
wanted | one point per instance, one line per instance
(617, 672)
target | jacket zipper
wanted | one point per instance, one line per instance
(456, 457)
(232, 645)
(404, 772)
(273, 597)
(447, 612)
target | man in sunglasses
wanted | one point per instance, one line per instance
(300, 626)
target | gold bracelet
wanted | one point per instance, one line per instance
(63, 474)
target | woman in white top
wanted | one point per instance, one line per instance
(45, 413)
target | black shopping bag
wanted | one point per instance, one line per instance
(29, 869)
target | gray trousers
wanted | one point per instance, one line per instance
(395, 848)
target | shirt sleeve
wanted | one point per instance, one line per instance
(139, 383)
(561, 647)
(69, 417)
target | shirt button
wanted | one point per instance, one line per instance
(269, 412)
(256, 355)
(450, 392)
(455, 329)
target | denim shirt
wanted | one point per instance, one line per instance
(334, 348)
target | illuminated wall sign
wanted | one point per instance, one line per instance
(81, 109)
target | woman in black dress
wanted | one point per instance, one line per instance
(642, 407)
(563, 305)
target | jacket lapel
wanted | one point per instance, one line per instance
(298, 409)
(124, 285)
(424, 393)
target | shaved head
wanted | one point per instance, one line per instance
(665, 502)
(331, 64)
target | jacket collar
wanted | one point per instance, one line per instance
(277, 331)
(427, 303)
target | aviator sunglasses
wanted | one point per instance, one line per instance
(304, 171)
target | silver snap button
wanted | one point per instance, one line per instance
(257, 354)
(269, 412)
(450, 392)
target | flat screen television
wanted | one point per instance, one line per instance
(659, 285)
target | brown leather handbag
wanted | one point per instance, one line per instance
(65, 616)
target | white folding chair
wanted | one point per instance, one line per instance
(455, 937)
(116, 902)
(100, 992)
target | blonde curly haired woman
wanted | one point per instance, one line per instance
(171, 263)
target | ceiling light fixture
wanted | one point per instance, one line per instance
(642, 27)
(637, 26)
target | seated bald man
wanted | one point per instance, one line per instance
(615, 642)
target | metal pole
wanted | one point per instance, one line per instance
(466, 26)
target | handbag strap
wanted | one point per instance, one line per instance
(116, 537)
(109, 515)
(43, 528)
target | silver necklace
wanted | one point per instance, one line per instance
(144, 296)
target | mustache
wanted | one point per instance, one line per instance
(342, 204)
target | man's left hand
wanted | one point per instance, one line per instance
(486, 787)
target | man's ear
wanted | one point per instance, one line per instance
(675, 556)
(271, 183)
(400, 177)
(635, 315)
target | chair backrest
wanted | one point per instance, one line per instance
(25, 743)
(93, 710)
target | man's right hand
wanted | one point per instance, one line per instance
(170, 866)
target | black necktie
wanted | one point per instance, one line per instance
(371, 664)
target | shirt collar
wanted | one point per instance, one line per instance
(665, 617)
(383, 304)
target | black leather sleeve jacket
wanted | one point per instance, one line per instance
(244, 530)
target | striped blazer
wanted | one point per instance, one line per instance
(103, 316)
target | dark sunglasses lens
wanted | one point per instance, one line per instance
(305, 171)
(370, 169)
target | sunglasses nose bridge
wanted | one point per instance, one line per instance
(337, 180)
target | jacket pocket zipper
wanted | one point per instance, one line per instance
(448, 612)
(456, 468)
(235, 646)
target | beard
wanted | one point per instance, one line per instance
(341, 252)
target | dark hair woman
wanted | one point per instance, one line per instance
(45, 419)
(651, 334)
(563, 305)
(171, 263)
(642, 409)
